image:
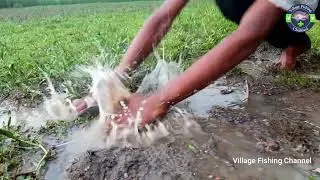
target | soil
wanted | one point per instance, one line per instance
(275, 122)
(259, 130)
(166, 162)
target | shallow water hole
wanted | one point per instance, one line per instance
(204, 150)
(57, 167)
(210, 154)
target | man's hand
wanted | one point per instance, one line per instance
(120, 70)
(151, 34)
(150, 108)
(255, 26)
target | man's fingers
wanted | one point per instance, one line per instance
(81, 106)
(107, 127)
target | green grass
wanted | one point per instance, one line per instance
(295, 80)
(55, 38)
(13, 146)
(18, 145)
(56, 43)
(26, 3)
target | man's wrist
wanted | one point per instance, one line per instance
(121, 69)
(163, 104)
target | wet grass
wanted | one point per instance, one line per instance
(295, 80)
(57, 128)
(10, 156)
(14, 144)
(306, 76)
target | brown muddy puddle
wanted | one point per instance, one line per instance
(200, 104)
(208, 154)
(232, 126)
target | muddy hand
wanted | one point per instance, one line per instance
(128, 111)
(84, 104)
(107, 127)
(282, 64)
(288, 58)
(149, 107)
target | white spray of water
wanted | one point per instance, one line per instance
(55, 107)
(59, 106)
(163, 72)
(110, 94)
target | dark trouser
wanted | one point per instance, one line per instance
(280, 37)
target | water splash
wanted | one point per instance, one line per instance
(110, 94)
(163, 72)
(56, 106)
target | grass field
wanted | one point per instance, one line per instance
(28, 3)
(54, 38)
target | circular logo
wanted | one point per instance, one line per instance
(300, 18)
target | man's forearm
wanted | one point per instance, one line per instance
(151, 34)
(207, 69)
(234, 49)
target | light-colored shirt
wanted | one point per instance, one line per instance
(287, 4)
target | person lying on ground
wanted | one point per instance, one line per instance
(258, 20)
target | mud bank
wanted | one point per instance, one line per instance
(167, 162)
(275, 122)
(260, 129)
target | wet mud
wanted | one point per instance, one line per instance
(274, 123)
(262, 131)
(164, 162)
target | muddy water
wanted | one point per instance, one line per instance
(180, 125)
(205, 153)
(202, 156)
(202, 102)
(197, 146)
(316, 118)
(231, 143)
(5, 115)
(55, 107)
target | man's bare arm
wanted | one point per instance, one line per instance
(254, 27)
(151, 34)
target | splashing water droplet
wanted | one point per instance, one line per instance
(162, 129)
(110, 95)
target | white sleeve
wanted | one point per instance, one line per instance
(287, 4)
